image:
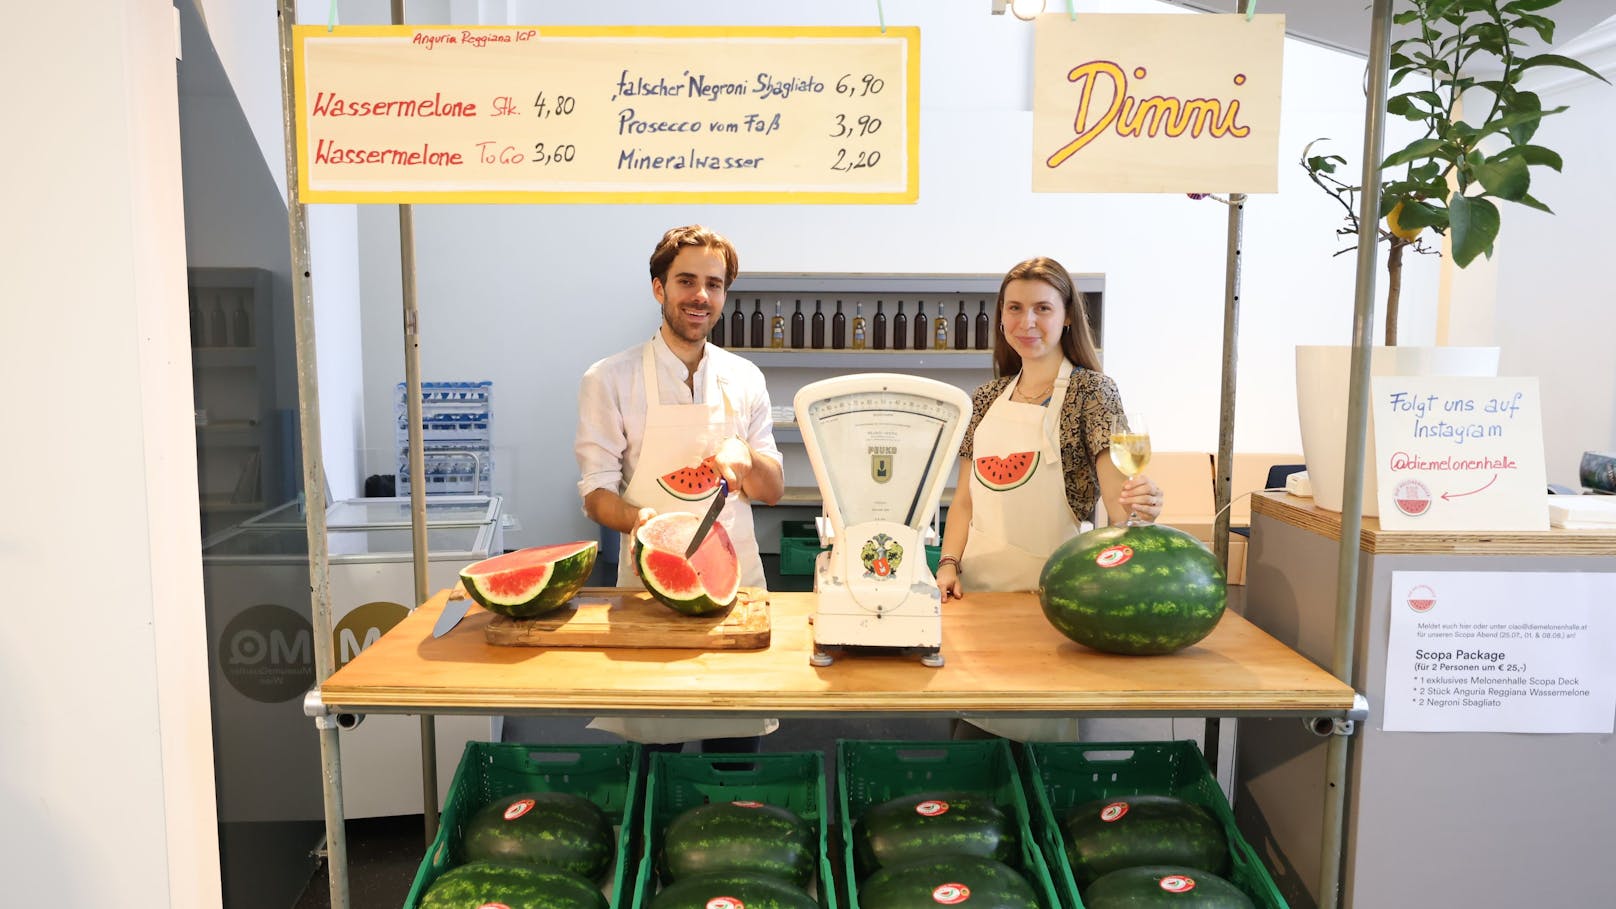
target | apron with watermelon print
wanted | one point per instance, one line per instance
(1017, 523)
(682, 436)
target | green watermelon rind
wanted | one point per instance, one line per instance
(1022, 478)
(730, 838)
(893, 832)
(689, 602)
(561, 830)
(1140, 887)
(705, 491)
(911, 884)
(475, 884)
(1155, 830)
(566, 577)
(1178, 595)
(754, 891)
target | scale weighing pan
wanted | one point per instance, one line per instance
(882, 446)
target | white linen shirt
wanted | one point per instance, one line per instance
(611, 409)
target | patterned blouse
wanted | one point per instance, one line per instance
(1084, 431)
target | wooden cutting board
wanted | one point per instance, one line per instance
(618, 617)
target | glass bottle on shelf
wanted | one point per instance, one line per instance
(859, 333)
(199, 331)
(218, 331)
(737, 326)
(716, 337)
(838, 328)
(941, 327)
(797, 327)
(759, 337)
(777, 329)
(962, 328)
(922, 326)
(817, 337)
(878, 328)
(900, 329)
(242, 333)
(982, 327)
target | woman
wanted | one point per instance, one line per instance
(1050, 399)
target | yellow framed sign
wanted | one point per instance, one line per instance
(413, 114)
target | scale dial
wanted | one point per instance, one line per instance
(881, 451)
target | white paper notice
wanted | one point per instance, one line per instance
(1501, 651)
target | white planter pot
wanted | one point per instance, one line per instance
(1323, 380)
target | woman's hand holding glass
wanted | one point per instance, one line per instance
(1130, 452)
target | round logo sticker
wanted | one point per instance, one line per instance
(1178, 883)
(1422, 598)
(1112, 556)
(931, 808)
(1412, 498)
(950, 894)
(725, 902)
(518, 808)
(747, 804)
(493, 906)
(1113, 811)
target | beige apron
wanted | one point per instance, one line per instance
(682, 435)
(1013, 531)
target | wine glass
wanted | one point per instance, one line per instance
(1130, 449)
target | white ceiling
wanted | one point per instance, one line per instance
(1344, 24)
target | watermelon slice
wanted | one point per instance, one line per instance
(530, 582)
(707, 582)
(692, 484)
(1007, 472)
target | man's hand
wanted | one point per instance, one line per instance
(733, 461)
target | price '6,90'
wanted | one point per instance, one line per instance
(559, 154)
(859, 86)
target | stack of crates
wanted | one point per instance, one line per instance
(455, 435)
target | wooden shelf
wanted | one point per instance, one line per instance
(1302, 513)
(868, 360)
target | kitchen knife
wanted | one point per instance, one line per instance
(707, 519)
(453, 611)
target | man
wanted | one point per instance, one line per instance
(678, 402)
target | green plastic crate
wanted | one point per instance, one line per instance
(1062, 775)
(608, 775)
(794, 781)
(799, 547)
(869, 773)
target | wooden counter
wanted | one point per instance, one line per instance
(1002, 657)
(1303, 514)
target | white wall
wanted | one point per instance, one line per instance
(528, 296)
(107, 788)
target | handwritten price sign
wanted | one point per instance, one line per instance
(576, 114)
(1459, 453)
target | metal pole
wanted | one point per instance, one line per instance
(1226, 409)
(1346, 603)
(308, 421)
(417, 465)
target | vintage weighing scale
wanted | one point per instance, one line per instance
(882, 446)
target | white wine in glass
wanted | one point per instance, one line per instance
(1130, 449)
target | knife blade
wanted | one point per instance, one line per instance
(707, 519)
(453, 611)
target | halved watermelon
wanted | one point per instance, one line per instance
(706, 582)
(530, 582)
(1007, 472)
(692, 484)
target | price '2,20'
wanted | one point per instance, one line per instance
(858, 161)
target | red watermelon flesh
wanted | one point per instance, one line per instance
(691, 484)
(1007, 472)
(530, 582)
(706, 582)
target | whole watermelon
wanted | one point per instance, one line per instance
(741, 837)
(928, 823)
(482, 884)
(1140, 590)
(1110, 834)
(542, 828)
(1153, 886)
(729, 890)
(939, 881)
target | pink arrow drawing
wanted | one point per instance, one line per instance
(1455, 495)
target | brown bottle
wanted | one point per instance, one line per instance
(760, 333)
(737, 328)
(878, 326)
(900, 329)
(962, 328)
(983, 329)
(838, 329)
(716, 336)
(817, 337)
(797, 327)
(922, 336)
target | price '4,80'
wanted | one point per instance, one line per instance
(564, 105)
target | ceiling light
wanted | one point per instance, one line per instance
(1026, 10)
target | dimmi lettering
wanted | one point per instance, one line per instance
(1133, 117)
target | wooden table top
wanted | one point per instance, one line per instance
(1002, 657)
(1302, 513)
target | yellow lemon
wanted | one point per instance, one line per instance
(1400, 232)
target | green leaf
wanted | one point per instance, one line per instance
(1421, 214)
(1533, 154)
(1543, 25)
(1474, 222)
(1522, 6)
(1530, 202)
(1523, 102)
(1406, 16)
(1563, 62)
(1419, 148)
(1506, 178)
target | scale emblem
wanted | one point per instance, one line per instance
(881, 556)
(881, 464)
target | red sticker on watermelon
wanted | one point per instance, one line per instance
(725, 902)
(1112, 556)
(747, 804)
(493, 906)
(1178, 883)
(931, 808)
(1113, 811)
(518, 808)
(950, 894)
